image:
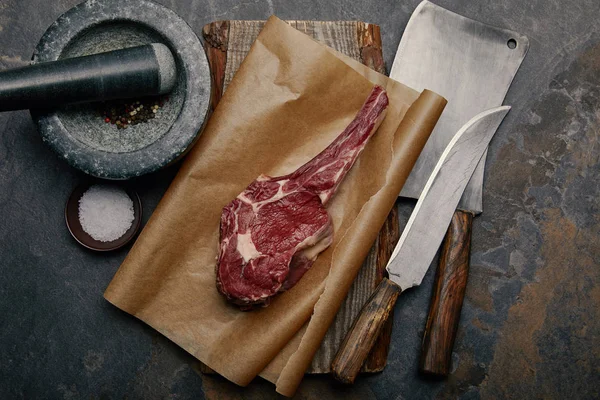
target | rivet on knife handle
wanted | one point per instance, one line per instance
(363, 333)
(447, 298)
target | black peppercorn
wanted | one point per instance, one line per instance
(131, 112)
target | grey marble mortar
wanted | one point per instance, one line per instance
(79, 135)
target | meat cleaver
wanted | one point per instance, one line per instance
(472, 65)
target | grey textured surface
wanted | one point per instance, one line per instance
(166, 66)
(77, 133)
(530, 325)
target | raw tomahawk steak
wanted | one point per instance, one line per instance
(274, 230)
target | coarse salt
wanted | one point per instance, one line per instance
(105, 212)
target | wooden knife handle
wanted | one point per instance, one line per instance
(365, 330)
(447, 298)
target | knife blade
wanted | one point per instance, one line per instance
(421, 237)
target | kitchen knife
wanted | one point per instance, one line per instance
(472, 65)
(421, 237)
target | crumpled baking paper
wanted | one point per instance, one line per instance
(290, 98)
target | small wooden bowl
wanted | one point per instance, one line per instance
(83, 238)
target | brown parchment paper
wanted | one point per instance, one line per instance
(290, 98)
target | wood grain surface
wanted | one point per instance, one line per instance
(226, 44)
(447, 297)
(364, 332)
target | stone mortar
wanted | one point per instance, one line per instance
(79, 135)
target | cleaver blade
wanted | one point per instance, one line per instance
(469, 63)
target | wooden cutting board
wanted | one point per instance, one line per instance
(226, 44)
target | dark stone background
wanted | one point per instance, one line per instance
(530, 324)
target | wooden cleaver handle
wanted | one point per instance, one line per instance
(364, 332)
(447, 298)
